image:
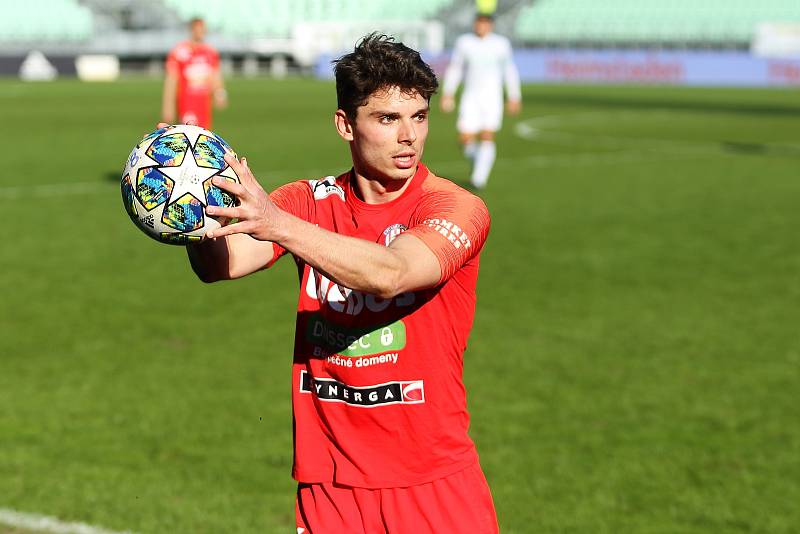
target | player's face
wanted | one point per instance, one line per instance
(483, 26)
(389, 134)
(198, 31)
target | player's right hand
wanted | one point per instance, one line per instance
(255, 214)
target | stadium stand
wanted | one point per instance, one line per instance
(44, 21)
(256, 18)
(637, 23)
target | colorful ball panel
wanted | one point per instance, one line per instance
(209, 152)
(185, 214)
(152, 187)
(169, 150)
(167, 183)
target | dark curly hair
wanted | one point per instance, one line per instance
(379, 62)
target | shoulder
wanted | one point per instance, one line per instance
(209, 50)
(451, 197)
(501, 41)
(464, 40)
(326, 187)
(315, 190)
(181, 51)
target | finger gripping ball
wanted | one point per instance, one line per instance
(166, 184)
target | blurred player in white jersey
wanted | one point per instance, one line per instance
(483, 60)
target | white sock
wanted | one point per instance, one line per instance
(484, 160)
(470, 149)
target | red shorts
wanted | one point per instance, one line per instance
(458, 503)
(195, 111)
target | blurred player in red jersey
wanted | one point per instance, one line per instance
(388, 256)
(193, 80)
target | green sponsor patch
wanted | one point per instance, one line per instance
(356, 341)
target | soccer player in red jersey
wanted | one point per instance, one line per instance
(387, 255)
(193, 80)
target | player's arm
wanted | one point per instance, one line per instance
(239, 254)
(220, 93)
(452, 77)
(229, 257)
(170, 95)
(406, 265)
(218, 87)
(512, 83)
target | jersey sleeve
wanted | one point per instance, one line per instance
(454, 225)
(295, 198)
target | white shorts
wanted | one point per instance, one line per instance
(477, 114)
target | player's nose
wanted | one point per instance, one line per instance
(407, 133)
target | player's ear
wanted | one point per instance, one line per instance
(343, 125)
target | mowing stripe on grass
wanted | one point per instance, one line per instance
(43, 523)
(575, 159)
(51, 190)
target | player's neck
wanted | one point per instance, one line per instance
(377, 191)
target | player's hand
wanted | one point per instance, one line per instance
(447, 104)
(257, 215)
(221, 99)
(514, 106)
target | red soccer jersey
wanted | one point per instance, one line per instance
(195, 65)
(377, 390)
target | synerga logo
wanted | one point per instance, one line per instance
(330, 390)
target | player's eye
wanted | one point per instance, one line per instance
(386, 119)
(421, 117)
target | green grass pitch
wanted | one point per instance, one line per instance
(635, 360)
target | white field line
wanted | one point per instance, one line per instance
(546, 129)
(47, 524)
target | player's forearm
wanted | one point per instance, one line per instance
(354, 263)
(452, 79)
(228, 257)
(168, 99)
(210, 259)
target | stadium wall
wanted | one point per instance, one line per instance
(664, 67)
(705, 68)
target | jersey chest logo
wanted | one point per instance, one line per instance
(345, 300)
(393, 231)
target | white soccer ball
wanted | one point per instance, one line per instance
(166, 184)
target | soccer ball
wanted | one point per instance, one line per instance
(166, 184)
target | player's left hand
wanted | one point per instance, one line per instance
(514, 106)
(256, 214)
(221, 99)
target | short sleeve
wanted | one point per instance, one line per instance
(295, 198)
(454, 224)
